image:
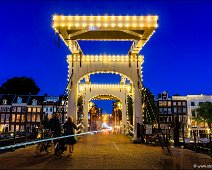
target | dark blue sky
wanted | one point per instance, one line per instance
(178, 57)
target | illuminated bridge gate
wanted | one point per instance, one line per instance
(105, 91)
(137, 29)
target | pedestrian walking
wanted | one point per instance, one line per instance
(55, 128)
(69, 129)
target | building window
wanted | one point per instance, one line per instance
(2, 118)
(7, 118)
(28, 117)
(50, 109)
(13, 109)
(29, 109)
(33, 117)
(4, 101)
(19, 100)
(34, 102)
(184, 103)
(38, 118)
(169, 103)
(165, 110)
(23, 118)
(13, 118)
(160, 103)
(192, 104)
(175, 110)
(23, 109)
(179, 109)
(17, 128)
(3, 109)
(160, 110)
(38, 109)
(169, 111)
(174, 103)
(179, 103)
(164, 103)
(184, 110)
(18, 118)
(18, 109)
(34, 109)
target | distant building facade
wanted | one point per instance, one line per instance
(193, 102)
(170, 108)
(25, 112)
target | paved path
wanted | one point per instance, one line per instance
(103, 151)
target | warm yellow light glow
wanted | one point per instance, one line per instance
(127, 25)
(148, 18)
(120, 25)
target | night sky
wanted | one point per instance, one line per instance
(178, 57)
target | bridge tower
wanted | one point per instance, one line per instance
(137, 29)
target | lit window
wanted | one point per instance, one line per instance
(7, 118)
(13, 118)
(17, 128)
(34, 109)
(2, 118)
(169, 103)
(29, 109)
(18, 109)
(22, 118)
(28, 117)
(174, 103)
(175, 110)
(38, 110)
(18, 118)
(164, 103)
(38, 118)
(179, 103)
(33, 118)
(160, 103)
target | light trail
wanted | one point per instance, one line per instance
(49, 139)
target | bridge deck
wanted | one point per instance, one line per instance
(103, 151)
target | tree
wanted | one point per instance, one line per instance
(204, 113)
(20, 85)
